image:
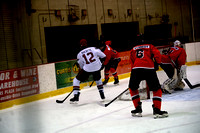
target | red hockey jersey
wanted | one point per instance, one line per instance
(141, 56)
(110, 54)
(177, 54)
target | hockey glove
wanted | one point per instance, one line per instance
(156, 66)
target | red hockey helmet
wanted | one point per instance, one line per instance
(108, 43)
(83, 43)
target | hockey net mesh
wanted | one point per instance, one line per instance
(143, 92)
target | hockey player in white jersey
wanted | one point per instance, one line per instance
(89, 60)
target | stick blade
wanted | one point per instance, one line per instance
(195, 86)
(106, 105)
(101, 104)
(59, 101)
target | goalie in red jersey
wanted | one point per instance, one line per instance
(173, 63)
(142, 59)
(111, 62)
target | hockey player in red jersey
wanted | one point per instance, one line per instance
(142, 64)
(111, 62)
(173, 63)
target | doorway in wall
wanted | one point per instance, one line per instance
(62, 42)
(122, 35)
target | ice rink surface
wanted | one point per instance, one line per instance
(47, 116)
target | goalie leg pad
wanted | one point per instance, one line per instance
(125, 96)
(168, 84)
(181, 84)
(182, 73)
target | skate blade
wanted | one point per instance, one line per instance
(160, 116)
(102, 100)
(137, 114)
(75, 102)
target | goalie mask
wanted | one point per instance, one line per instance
(177, 43)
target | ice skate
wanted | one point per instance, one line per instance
(138, 111)
(75, 99)
(102, 95)
(116, 82)
(105, 81)
(158, 113)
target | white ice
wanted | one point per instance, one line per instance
(47, 116)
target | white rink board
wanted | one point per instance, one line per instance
(47, 77)
(197, 49)
(192, 50)
(88, 116)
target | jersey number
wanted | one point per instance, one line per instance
(140, 53)
(91, 57)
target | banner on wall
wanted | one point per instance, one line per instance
(65, 73)
(124, 65)
(18, 83)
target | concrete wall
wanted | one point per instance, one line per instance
(29, 31)
(97, 13)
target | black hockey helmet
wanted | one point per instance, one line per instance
(140, 39)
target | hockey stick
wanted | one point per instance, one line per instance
(185, 79)
(61, 101)
(92, 83)
(115, 98)
(190, 85)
